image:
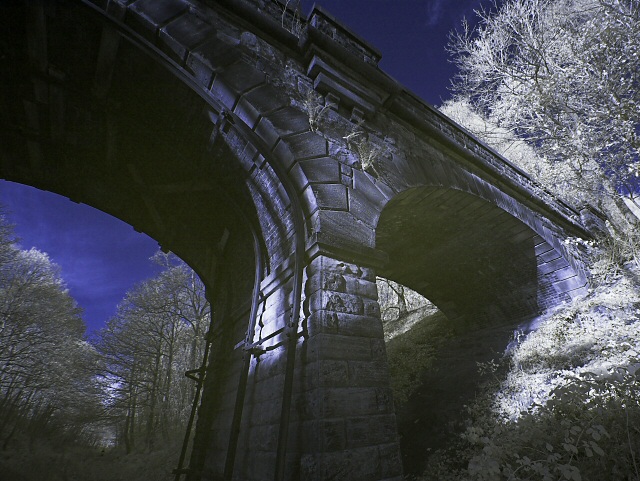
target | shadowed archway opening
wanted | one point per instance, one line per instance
(90, 115)
(480, 265)
(487, 272)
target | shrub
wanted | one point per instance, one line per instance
(568, 407)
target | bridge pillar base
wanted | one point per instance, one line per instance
(342, 425)
(350, 431)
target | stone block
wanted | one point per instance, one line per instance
(548, 256)
(365, 185)
(368, 373)
(267, 132)
(288, 121)
(147, 15)
(331, 196)
(266, 99)
(321, 170)
(344, 226)
(307, 145)
(208, 57)
(261, 411)
(542, 248)
(333, 435)
(310, 202)
(264, 437)
(333, 281)
(350, 465)
(322, 322)
(268, 366)
(364, 208)
(371, 430)
(247, 112)
(339, 347)
(242, 77)
(552, 266)
(332, 373)
(352, 401)
(323, 435)
(284, 154)
(327, 322)
(328, 264)
(184, 33)
(337, 302)
(223, 92)
(363, 288)
(296, 173)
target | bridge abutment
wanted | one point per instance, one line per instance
(353, 433)
(341, 422)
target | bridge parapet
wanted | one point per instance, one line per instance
(321, 21)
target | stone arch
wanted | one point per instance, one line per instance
(476, 261)
(232, 102)
(489, 272)
(115, 107)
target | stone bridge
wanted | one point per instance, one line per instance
(271, 153)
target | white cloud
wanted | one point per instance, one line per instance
(435, 12)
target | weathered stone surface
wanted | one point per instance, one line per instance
(205, 59)
(340, 347)
(344, 324)
(148, 15)
(322, 170)
(331, 196)
(363, 431)
(184, 33)
(307, 145)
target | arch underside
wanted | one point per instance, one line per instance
(480, 265)
(131, 140)
(91, 114)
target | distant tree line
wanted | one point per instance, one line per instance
(126, 386)
(156, 336)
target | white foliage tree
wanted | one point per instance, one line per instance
(46, 376)
(565, 76)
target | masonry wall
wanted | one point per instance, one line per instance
(342, 422)
(350, 401)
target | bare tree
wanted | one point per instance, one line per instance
(156, 335)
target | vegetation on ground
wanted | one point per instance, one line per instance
(553, 85)
(107, 408)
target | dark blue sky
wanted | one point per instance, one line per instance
(101, 258)
(410, 34)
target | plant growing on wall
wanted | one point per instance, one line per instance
(316, 109)
(290, 19)
(368, 152)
